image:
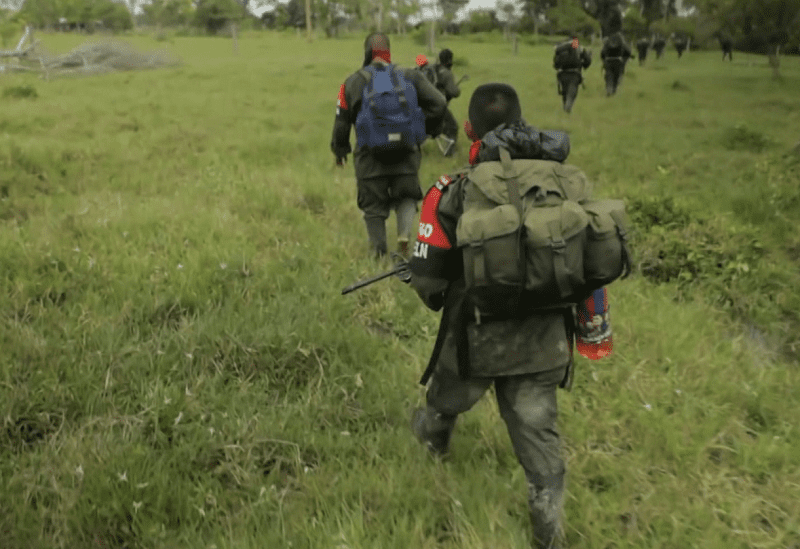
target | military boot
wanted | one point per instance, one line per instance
(405, 210)
(376, 231)
(433, 429)
(545, 513)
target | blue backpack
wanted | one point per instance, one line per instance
(390, 120)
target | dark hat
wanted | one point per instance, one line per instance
(492, 105)
(376, 45)
(446, 58)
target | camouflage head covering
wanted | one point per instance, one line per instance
(492, 105)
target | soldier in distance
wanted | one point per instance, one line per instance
(526, 358)
(659, 43)
(642, 45)
(681, 43)
(446, 84)
(385, 181)
(615, 55)
(569, 59)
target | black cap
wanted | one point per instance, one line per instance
(446, 58)
(375, 42)
(492, 105)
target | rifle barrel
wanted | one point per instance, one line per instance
(368, 281)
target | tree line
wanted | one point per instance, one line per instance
(760, 26)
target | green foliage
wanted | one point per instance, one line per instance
(214, 15)
(20, 92)
(742, 138)
(568, 18)
(168, 13)
(43, 13)
(480, 21)
(179, 368)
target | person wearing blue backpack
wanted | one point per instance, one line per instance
(393, 109)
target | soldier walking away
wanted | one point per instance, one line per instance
(386, 162)
(525, 354)
(447, 85)
(615, 54)
(659, 43)
(569, 59)
(642, 45)
(681, 43)
(726, 43)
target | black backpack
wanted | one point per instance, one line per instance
(567, 57)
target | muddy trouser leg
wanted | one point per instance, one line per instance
(610, 85)
(406, 209)
(374, 201)
(528, 405)
(571, 90)
(449, 394)
(405, 192)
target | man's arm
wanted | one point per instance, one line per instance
(451, 89)
(430, 100)
(436, 260)
(340, 142)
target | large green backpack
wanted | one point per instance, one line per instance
(532, 237)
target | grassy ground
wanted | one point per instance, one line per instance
(179, 369)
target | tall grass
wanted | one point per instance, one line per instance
(178, 368)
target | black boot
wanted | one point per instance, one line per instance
(545, 513)
(376, 231)
(433, 429)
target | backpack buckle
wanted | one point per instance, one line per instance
(558, 246)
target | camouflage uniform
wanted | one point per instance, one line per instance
(642, 46)
(569, 78)
(383, 186)
(658, 46)
(446, 84)
(681, 43)
(525, 358)
(615, 54)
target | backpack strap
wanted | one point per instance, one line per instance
(399, 90)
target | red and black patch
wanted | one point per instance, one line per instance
(341, 102)
(430, 230)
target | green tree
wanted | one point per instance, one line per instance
(568, 17)
(214, 15)
(168, 13)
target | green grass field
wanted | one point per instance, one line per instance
(179, 369)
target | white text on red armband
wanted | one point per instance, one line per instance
(430, 230)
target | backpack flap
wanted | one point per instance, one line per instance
(555, 237)
(490, 244)
(606, 256)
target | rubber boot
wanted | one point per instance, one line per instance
(433, 429)
(545, 513)
(376, 231)
(405, 210)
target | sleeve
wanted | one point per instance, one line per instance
(436, 262)
(586, 59)
(340, 141)
(432, 102)
(451, 90)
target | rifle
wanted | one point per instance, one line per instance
(462, 79)
(401, 270)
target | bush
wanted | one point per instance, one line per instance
(742, 138)
(21, 92)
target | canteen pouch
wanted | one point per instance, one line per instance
(606, 256)
(555, 240)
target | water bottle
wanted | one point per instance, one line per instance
(593, 334)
